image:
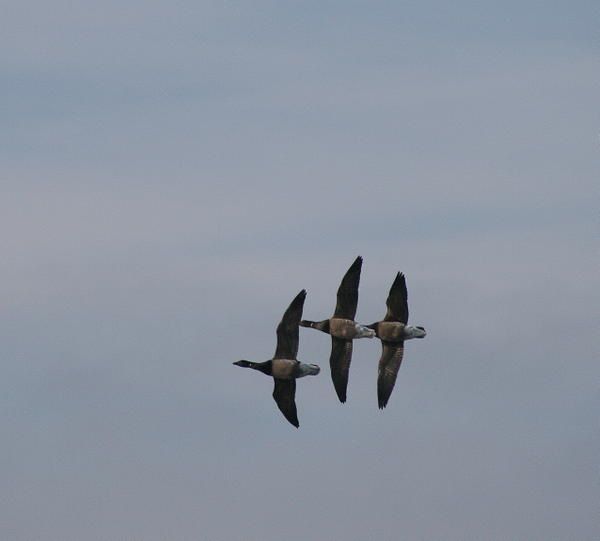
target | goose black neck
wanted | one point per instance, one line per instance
(265, 367)
(319, 325)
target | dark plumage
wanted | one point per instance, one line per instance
(392, 332)
(288, 335)
(397, 301)
(284, 367)
(284, 394)
(343, 329)
(339, 362)
(347, 293)
(389, 364)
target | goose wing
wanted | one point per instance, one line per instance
(397, 301)
(339, 361)
(287, 330)
(389, 363)
(347, 294)
(284, 394)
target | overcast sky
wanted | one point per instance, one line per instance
(173, 173)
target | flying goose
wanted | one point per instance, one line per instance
(392, 332)
(343, 329)
(284, 367)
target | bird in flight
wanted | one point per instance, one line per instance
(392, 332)
(284, 367)
(343, 329)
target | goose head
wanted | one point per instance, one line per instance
(243, 363)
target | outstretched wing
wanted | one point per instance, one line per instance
(287, 330)
(397, 301)
(284, 394)
(347, 295)
(389, 363)
(339, 361)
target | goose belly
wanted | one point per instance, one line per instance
(343, 328)
(390, 331)
(283, 368)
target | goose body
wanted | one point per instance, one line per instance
(292, 369)
(339, 327)
(396, 331)
(392, 332)
(343, 329)
(284, 367)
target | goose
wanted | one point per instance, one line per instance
(392, 332)
(284, 367)
(343, 329)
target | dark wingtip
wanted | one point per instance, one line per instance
(341, 390)
(299, 298)
(294, 422)
(356, 264)
(399, 284)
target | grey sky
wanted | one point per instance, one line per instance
(173, 173)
